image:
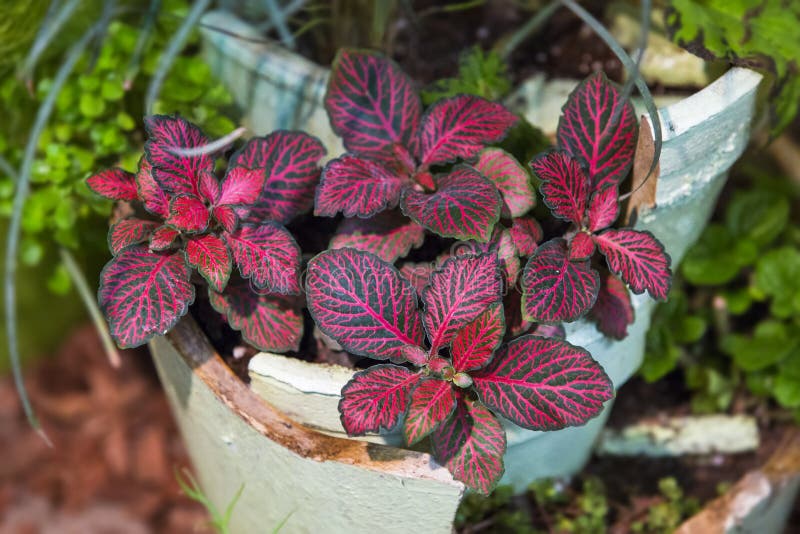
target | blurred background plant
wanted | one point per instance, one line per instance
(732, 322)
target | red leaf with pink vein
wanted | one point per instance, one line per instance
(210, 256)
(175, 173)
(267, 255)
(143, 294)
(432, 402)
(459, 291)
(556, 289)
(387, 235)
(526, 234)
(475, 344)
(154, 198)
(226, 216)
(188, 214)
(208, 187)
(241, 186)
(129, 232)
(565, 187)
(471, 444)
(639, 259)
(587, 132)
(613, 311)
(543, 384)
(266, 321)
(603, 208)
(372, 104)
(289, 163)
(376, 399)
(510, 178)
(581, 247)
(459, 127)
(115, 184)
(363, 303)
(163, 238)
(357, 186)
(465, 205)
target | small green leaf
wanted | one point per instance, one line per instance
(59, 282)
(714, 259)
(31, 252)
(112, 89)
(778, 276)
(91, 106)
(758, 216)
(770, 343)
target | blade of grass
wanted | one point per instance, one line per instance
(171, 52)
(211, 147)
(13, 235)
(109, 9)
(506, 48)
(148, 24)
(288, 12)
(53, 22)
(89, 299)
(630, 66)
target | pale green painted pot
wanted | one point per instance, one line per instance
(704, 134)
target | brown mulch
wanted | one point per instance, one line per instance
(115, 449)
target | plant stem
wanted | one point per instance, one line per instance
(173, 49)
(89, 300)
(279, 19)
(13, 235)
(529, 28)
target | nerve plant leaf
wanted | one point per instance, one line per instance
(639, 259)
(267, 322)
(458, 292)
(188, 213)
(465, 205)
(475, 344)
(212, 259)
(289, 162)
(543, 384)
(143, 294)
(129, 232)
(471, 444)
(357, 186)
(556, 289)
(388, 235)
(459, 127)
(510, 178)
(432, 402)
(565, 187)
(376, 399)
(177, 174)
(115, 184)
(268, 255)
(363, 303)
(372, 104)
(151, 194)
(587, 132)
(526, 233)
(613, 311)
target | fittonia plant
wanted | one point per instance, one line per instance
(462, 378)
(185, 219)
(580, 181)
(450, 374)
(395, 151)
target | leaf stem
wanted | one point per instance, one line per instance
(53, 22)
(141, 43)
(89, 300)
